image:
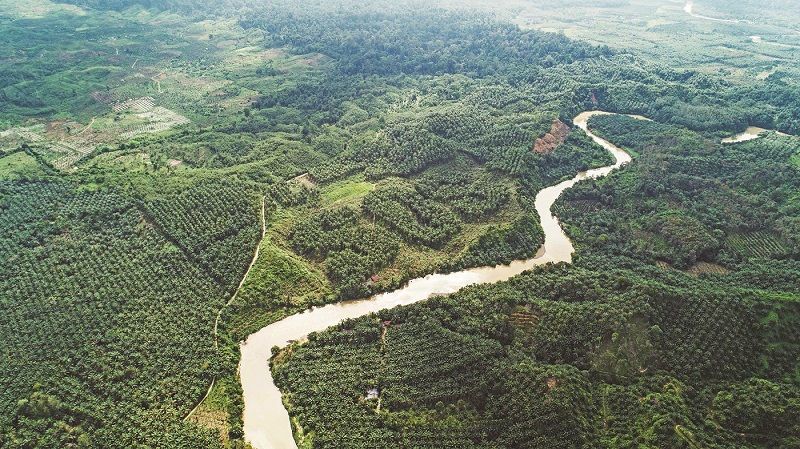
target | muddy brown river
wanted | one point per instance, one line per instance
(688, 8)
(266, 421)
(751, 133)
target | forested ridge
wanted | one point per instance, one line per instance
(389, 140)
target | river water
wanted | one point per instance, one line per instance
(688, 8)
(266, 421)
(751, 133)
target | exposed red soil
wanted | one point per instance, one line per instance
(557, 135)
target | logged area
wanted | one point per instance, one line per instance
(193, 195)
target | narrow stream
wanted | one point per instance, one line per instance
(266, 421)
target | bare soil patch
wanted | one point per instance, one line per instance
(707, 267)
(556, 136)
(305, 180)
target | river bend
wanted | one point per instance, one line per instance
(266, 421)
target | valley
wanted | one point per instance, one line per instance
(360, 224)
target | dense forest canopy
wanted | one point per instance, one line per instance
(150, 149)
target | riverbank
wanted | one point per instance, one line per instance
(266, 421)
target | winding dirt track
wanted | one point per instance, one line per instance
(233, 297)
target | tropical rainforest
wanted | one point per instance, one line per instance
(176, 175)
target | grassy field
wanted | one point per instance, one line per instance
(279, 283)
(20, 165)
(349, 191)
